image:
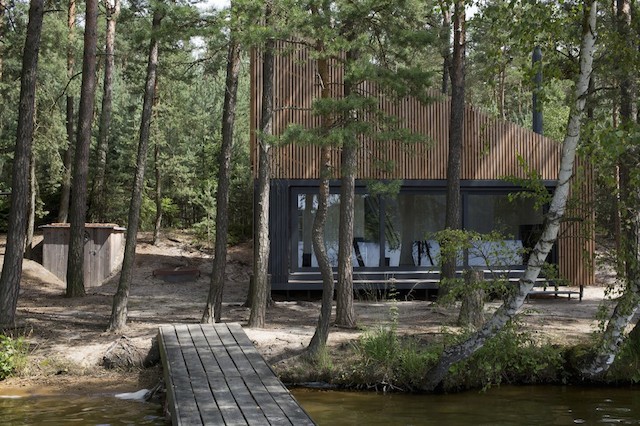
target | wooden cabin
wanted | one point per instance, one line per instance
(393, 234)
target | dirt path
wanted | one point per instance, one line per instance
(68, 337)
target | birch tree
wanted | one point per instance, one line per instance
(514, 301)
(627, 305)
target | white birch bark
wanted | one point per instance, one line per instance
(513, 304)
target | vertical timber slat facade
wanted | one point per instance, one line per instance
(495, 154)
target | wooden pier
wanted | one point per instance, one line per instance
(214, 375)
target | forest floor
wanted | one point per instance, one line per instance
(68, 340)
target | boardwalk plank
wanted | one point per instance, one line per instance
(220, 352)
(215, 376)
(183, 408)
(274, 386)
(248, 405)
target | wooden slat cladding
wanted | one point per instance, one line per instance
(491, 145)
(576, 241)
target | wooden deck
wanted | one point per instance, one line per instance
(214, 376)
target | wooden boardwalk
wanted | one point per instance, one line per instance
(214, 376)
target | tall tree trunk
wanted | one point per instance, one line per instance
(319, 340)
(78, 210)
(260, 287)
(120, 301)
(445, 43)
(542, 248)
(67, 158)
(158, 193)
(3, 8)
(12, 266)
(98, 192)
(456, 133)
(213, 308)
(629, 210)
(31, 223)
(345, 312)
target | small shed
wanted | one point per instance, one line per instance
(103, 250)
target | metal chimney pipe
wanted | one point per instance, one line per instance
(537, 106)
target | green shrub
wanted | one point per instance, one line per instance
(512, 356)
(13, 355)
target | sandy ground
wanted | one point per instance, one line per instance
(68, 338)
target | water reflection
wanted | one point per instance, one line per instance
(509, 405)
(76, 409)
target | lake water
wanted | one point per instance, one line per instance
(98, 409)
(507, 405)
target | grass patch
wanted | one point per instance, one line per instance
(387, 361)
(13, 355)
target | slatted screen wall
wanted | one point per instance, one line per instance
(491, 146)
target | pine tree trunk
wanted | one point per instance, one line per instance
(3, 8)
(98, 192)
(260, 286)
(78, 209)
(472, 309)
(542, 248)
(319, 340)
(120, 301)
(213, 308)
(65, 190)
(456, 133)
(345, 312)
(31, 223)
(158, 194)
(445, 50)
(12, 266)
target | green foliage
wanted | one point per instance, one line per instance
(13, 355)
(387, 359)
(391, 361)
(627, 364)
(532, 185)
(512, 356)
(496, 254)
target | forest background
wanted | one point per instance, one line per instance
(186, 129)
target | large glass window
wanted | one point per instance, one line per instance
(410, 221)
(516, 219)
(397, 232)
(366, 241)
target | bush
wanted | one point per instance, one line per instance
(512, 356)
(13, 355)
(391, 361)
